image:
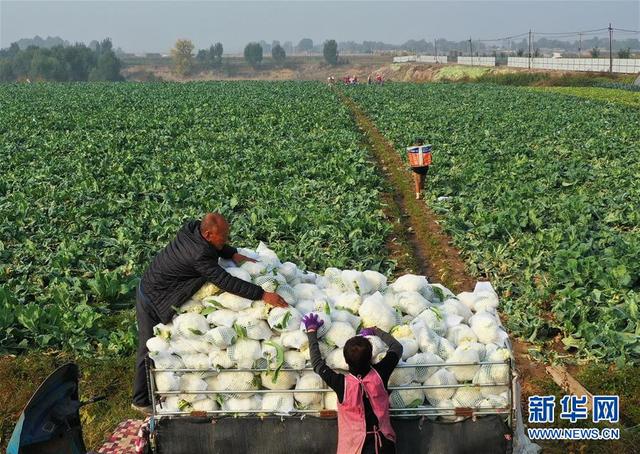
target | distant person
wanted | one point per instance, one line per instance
(364, 423)
(369, 79)
(419, 156)
(379, 79)
(175, 274)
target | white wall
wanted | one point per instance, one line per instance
(477, 61)
(620, 65)
(433, 59)
(404, 59)
(421, 59)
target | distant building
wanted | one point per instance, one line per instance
(557, 55)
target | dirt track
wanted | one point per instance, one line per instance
(418, 232)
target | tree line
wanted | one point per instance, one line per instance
(61, 63)
(185, 63)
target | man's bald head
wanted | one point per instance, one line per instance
(215, 229)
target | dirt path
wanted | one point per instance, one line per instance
(417, 228)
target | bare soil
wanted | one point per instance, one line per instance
(314, 68)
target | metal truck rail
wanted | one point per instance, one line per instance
(420, 411)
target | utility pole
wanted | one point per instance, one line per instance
(435, 48)
(471, 50)
(580, 45)
(529, 48)
(610, 49)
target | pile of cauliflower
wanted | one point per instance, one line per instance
(216, 331)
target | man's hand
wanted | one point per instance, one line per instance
(312, 322)
(274, 299)
(239, 259)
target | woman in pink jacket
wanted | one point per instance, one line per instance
(364, 425)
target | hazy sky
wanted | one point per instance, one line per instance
(153, 26)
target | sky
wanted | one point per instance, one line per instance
(153, 26)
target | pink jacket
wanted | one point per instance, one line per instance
(352, 429)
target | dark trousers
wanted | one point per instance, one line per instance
(147, 319)
(388, 447)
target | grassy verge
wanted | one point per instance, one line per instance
(629, 98)
(509, 76)
(21, 375)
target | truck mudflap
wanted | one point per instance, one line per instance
(313, 435)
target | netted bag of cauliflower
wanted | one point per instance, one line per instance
(284, 319)
(441, 378)
(374, 312)
(409, 283)
(339, 334)
(331, 401)
(335, 360)
(339, 315)
(402, 375)
(434, 319)
(464, 354)
(245, 352)
(241, 406)
(224, 383)
(406, 398)
(411, 303)
(279, 403)
(424, 372)
(191, 325)
(221, 336)
(467, 396)
(309, 381)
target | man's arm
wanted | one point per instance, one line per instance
(209, 268)
(390, 361)
(330, 377)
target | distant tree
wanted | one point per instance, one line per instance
(202, 55)
(305, 45)
(105, 46)
(217, 52)
(253, 54)
(13, 49)
(624, 53)
(80, 60)
(595, 52)
(6, 71)
(93, 45)
(520, 52)
(107, 68)
(278, 54)
(330, 52)
(288, 47)
(46, 67)
(182, 57)
(61, 62)
(537, 53)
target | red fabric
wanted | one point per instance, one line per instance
(130, 437)
(352, 429)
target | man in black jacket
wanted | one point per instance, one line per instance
(175, 274)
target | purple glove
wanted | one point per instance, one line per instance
(367, 332)
(312, 322)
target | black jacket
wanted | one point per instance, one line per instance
(185, 265)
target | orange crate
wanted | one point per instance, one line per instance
(419, 156)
